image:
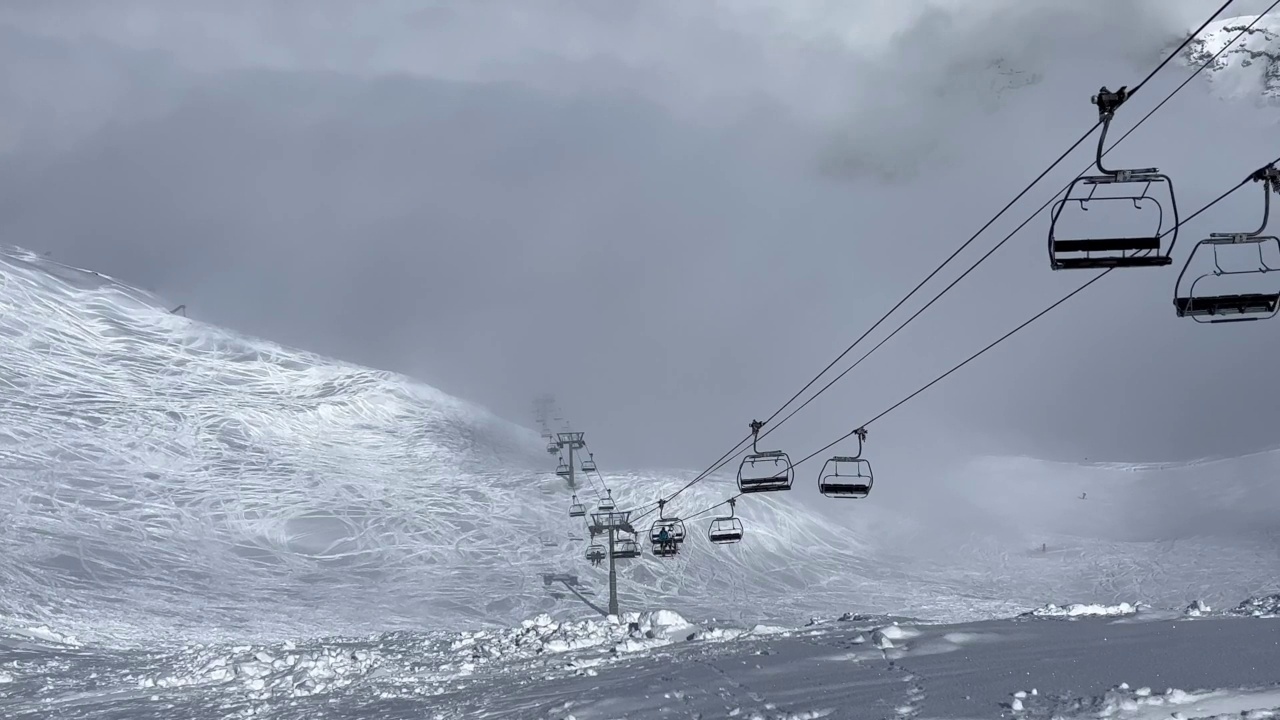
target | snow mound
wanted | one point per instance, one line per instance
(1075, 610)
(264, 673)
(1259, 607)
(1197, 609)
(543, 635)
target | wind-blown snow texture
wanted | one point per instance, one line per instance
(1250, 68)
(167, 481)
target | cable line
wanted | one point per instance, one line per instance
(733, 453)
(999, 340)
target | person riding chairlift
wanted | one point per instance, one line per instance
(664, 539)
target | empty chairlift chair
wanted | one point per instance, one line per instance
(577, 509)
(1144, 190)
(625, 547)
(606, 503)
(727, 529)
(563, 469)
(589, 465)
(1218, 295)
(768, 471)
(847, 476)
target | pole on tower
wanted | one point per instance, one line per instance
(573, 441)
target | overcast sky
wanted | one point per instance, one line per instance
(670, 214)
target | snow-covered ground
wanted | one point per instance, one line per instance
(660, 665)
(200, 524)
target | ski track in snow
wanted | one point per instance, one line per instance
(171, 481)
(208, 525)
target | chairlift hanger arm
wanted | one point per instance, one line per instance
(1108, 102)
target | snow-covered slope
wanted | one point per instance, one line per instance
(162, 477)
(1250, 68)
(162, 472)
(167, 479)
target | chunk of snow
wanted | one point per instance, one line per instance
(897, 632)
(42, 632)
(1082, 610)
(1267, 606)
(880, 640)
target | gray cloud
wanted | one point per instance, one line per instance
(670, 214)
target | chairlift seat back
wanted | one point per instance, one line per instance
(1227, 294)
(853, 481)
(1244, 305)
(765, 472)
(1111, 246)
(725, 530)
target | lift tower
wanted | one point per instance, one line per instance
(612, 522)
(572, 441)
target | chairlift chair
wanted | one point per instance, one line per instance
(1115, 252)
(768, 471)
(626, 548)
(589, 465)
(674, 526)
(727, 529)
(577, 509)
(675, 534)
(596, 553)
(553, 449)
(563, 469)
(1213, 305)
(606, 503)
(847, 476)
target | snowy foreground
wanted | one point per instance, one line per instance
(1078, 661)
